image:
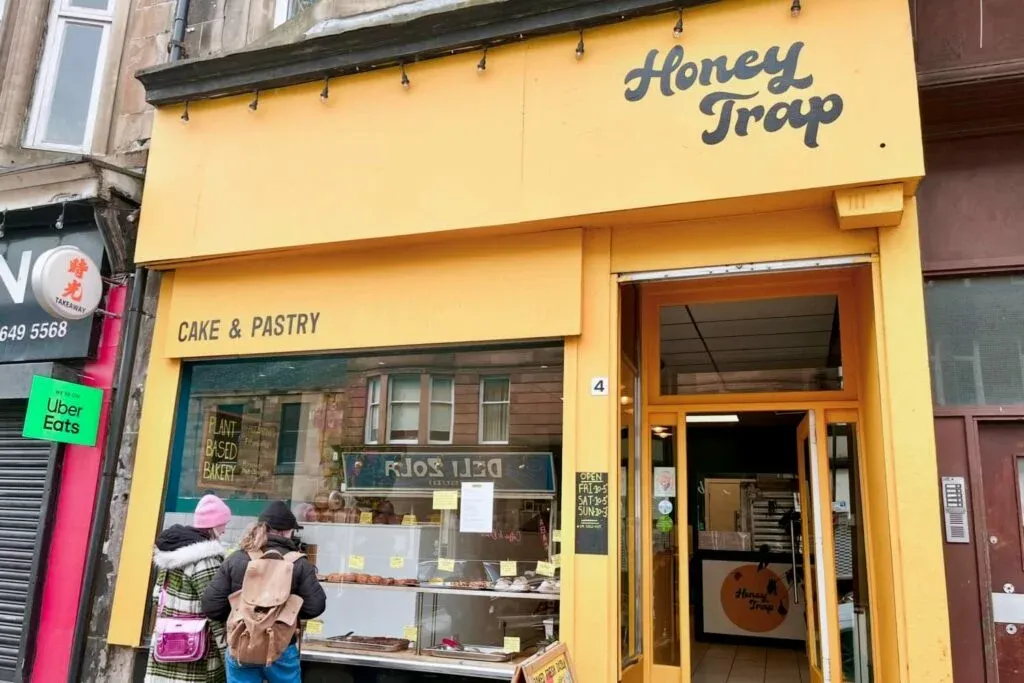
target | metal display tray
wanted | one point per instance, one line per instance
(341, 643)
(490, 655)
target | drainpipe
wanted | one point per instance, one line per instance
(104, 493)
(122, 392)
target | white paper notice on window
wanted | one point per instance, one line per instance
(477, 514)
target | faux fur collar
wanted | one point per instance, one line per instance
(176, 559)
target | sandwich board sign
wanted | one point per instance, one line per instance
(551, 665)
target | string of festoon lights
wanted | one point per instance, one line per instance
(481, 66)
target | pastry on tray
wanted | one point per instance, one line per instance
(550, 586)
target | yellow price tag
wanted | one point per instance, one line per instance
(397, 562)
(508, 568)
(366, 518)
(556, 560)
(446, 500)
(314, 627)
(511, 644)
(546, 568)
(409, 520)
(411, 633)
(446, 565)
(356, 561)
(556, 535)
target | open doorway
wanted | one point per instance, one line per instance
(770, 499)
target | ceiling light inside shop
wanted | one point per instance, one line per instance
(705, 419)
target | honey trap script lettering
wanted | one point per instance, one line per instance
(733, 110)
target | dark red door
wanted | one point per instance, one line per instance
(1002, 466)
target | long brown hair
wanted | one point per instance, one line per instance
(254, 539)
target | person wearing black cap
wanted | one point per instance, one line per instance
(273, 532)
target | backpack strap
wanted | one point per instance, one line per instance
(293, 557)
(255, 554)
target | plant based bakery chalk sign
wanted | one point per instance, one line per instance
(734, 106)
(592, 513)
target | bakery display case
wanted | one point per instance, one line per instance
(445, 562)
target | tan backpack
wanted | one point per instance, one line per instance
(264, 614)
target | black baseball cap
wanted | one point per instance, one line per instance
(279, 517)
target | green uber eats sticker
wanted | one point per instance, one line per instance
(664, 524)
(63, 411)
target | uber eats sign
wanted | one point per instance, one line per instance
(63, 412)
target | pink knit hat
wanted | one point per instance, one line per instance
(211, 513)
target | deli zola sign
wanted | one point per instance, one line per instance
(733, 106)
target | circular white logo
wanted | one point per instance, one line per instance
(665, 506)
(66, 283)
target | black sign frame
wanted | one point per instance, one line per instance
(27, 331)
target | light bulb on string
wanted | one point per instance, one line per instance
(677, 32)
(255, 104)
(3, 222)
(326, 92)
(482, 64)
(59, 225)
(405, 78)
(794, 9)
(580, 49)
(184, 114)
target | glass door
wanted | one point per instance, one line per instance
(818, 552)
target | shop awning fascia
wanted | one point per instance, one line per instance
(379, 47)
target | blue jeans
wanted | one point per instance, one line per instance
(285, 670)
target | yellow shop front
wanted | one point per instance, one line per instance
(618, 341)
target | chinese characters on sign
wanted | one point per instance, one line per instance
(67, 283)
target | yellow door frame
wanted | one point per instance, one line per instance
(832, 406)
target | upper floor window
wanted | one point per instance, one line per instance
(442, 410)
(976, 339)
(372, 410)
(404, 409)
(285, 10)
(494, 409)
(67, 89)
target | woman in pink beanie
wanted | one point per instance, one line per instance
(188, 558)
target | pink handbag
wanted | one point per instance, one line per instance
(178, 639)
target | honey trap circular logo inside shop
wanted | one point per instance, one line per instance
(67, 283)
(755, 600)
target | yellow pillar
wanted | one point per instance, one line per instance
(590, 610)
(148, 480)
(919, 578)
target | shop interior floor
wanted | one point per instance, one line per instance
(741, 664)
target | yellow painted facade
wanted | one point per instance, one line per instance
(514, 201)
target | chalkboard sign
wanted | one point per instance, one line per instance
(592, 513)
(222, 438)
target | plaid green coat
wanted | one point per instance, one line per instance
(186, 572)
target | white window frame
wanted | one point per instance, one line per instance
(62, 15)
(370, 404)
(430, 410)
(391, 402)
(507, 402)
(281, 12)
